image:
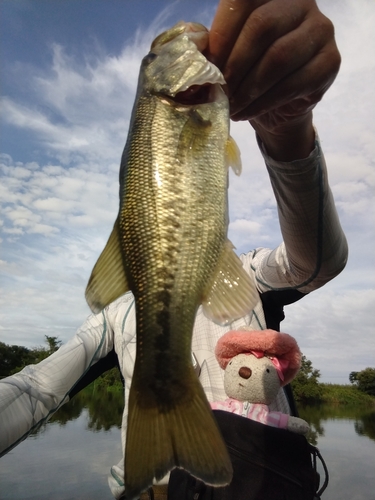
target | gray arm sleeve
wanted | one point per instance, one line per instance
(30, 397)
(314, 248)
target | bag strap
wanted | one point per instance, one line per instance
(316, 454)
(273, 303)
(104, 364)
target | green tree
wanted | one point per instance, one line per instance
(53, 343)
(364, 380)
(111, 379)
(353, 377)
(305, 385)
(14, 357)
(41, 353)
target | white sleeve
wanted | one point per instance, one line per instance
(314, 249)
(30, 397)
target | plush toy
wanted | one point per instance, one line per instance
(257, 364)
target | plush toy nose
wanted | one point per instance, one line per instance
(244, 372)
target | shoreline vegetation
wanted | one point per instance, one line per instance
(306, 386)
(308, 390)
(332, 394)
(336, 394)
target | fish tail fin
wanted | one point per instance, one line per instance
(185, 435)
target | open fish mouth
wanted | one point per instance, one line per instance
(195, 95)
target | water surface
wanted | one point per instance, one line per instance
(69, 458)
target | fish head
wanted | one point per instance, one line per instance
(177, 70)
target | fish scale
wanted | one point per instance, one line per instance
(172, 288)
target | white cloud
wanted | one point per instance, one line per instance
(55, 224)
(338, 337)
(81, 112)
(21, 172)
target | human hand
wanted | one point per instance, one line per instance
(278, 57)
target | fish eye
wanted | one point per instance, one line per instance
(151, 56)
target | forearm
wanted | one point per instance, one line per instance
(314, 249)
(290, 141)
(31, 396)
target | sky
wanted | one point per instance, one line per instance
(67, 81)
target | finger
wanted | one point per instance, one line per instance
(262, 29)
(284, 57)
(298, 92)
(227, 24)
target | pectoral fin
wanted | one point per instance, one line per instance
(233, 156)
(231, 293)
(107, 281)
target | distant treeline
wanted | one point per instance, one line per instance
(308, 389)
(306, 385)
(15, 357)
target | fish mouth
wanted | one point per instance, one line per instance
(195, 95)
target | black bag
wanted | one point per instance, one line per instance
(268, 464)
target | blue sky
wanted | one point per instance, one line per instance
(68, 78)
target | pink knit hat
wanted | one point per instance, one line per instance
(273, 344)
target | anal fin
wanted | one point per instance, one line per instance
(107, 281)
(231, 293)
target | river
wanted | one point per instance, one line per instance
(69, 458)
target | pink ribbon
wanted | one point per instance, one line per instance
(280, 364)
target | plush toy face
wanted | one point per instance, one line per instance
(252, 379)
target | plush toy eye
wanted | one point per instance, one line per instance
(230, 362)
(268, 370)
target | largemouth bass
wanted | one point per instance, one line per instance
(169, 247)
